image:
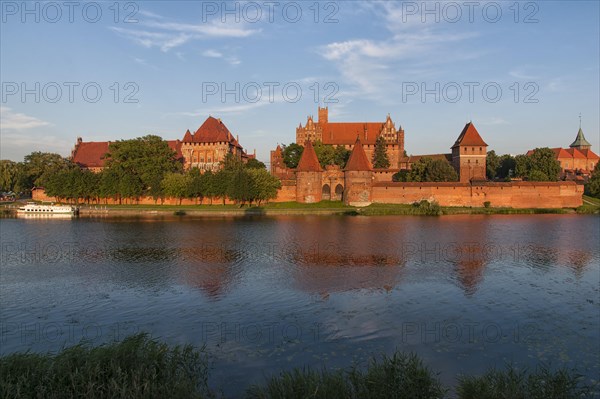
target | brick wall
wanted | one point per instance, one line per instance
(515, 195)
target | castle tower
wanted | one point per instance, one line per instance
(469, 154)
(580, 142)
(308, 176)
(358, 178)
(323, 115)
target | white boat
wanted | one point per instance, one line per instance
(31, 208)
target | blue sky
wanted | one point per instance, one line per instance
(162, 66)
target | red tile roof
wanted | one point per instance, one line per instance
(589, 154)
(90, 154)
(469, 137)
(175, 145)
(358, 160)
(575, 153)
(309, 161)
(344, 133)
(213, 131)
(187, 138)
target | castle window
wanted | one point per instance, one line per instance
(479, 148)
(476, 161)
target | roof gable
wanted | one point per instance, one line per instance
(469, 137)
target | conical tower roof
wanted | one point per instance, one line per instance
(309, 161)
(580, 140)
(358, 160)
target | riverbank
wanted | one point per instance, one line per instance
(140, 367)
(591, 206)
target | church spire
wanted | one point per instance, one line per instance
(580, 142)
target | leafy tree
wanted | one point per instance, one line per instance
(291, 154)
(176, 185)
(429, 170)
(380, 157)
(492, 164)
(401, 175)
(144, 162)
(541, 164)
(264, 185)
(220, 183)
(231, 162)
(593, 185)
(537, 175)
(38, 167)
(198, 184)
(9, 175)
(330, 155)
(506, 167)
(341, 156)
(522, 165)
(254, 163)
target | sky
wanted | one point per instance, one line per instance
(523, 72)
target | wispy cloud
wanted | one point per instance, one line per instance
(370, 67)
(11, 120)
(166, 35)
(212, 53)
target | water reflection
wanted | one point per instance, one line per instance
(382, 278)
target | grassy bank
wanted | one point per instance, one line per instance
(139, 367)
(424, 208)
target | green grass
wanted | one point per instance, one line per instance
(137, 367)
(140, 367)
(433, 210)
(592, 200)
(396, 376)
(521, 384)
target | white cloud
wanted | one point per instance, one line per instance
(212, 53)
(17, 121)
(371, 68)
(155, 32)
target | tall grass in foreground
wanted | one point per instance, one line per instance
(398, 376)
(140, 367)
(515, 384)
(137, 367)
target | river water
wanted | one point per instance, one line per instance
(271, 293)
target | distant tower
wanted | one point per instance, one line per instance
(308, 176)
(358, 178)
(580, 142)
(323, 115)
(469, 154)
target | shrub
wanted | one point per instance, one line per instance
(487, 204)
(137, 367)
(515, 384)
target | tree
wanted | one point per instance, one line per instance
(291, 154)
(380, 157)
(9, 174)
(239, 186)
(593, 185)
(541, 164)
(264, 185)
(506, 169)
(428, 170)
(341, 156)
(176, 185)
(144, 161)
(38, 167)
(254, 163)
(492, 164)
(522, 165)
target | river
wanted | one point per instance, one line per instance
(270, 293)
